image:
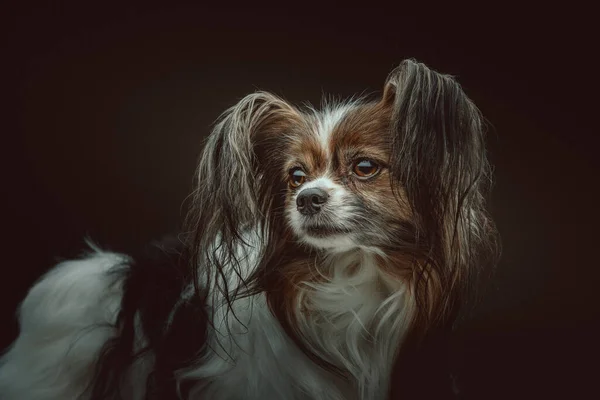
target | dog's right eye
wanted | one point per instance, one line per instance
(297, 177)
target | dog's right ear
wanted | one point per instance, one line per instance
(234, 165)
(237, 177)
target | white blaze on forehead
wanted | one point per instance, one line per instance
(327, 120)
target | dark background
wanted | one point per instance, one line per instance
(106, 108)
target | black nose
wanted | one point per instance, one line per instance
(310, 201)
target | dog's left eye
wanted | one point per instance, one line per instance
(365, 168)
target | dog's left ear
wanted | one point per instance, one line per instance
(439, 161)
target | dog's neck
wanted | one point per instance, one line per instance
(354, 315)
(344, 307)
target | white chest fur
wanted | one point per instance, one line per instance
(354, 317)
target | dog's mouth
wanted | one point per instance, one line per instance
(325, 230)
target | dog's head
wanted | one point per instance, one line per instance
(405, 173)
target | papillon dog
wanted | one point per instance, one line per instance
(320, 247)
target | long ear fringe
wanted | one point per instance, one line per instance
(232, 192)
(439, 160)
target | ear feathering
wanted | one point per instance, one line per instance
(236, 186)
(439, 160)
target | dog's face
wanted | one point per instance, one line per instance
(337, 171)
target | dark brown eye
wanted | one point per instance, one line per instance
(297, 177)
(365, 168)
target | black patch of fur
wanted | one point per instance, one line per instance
(153, 285)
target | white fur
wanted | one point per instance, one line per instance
(356, 318)
(64, 320)
(250, 356)
(359, 324)
(327, 120)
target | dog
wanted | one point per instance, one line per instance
(322, 246)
